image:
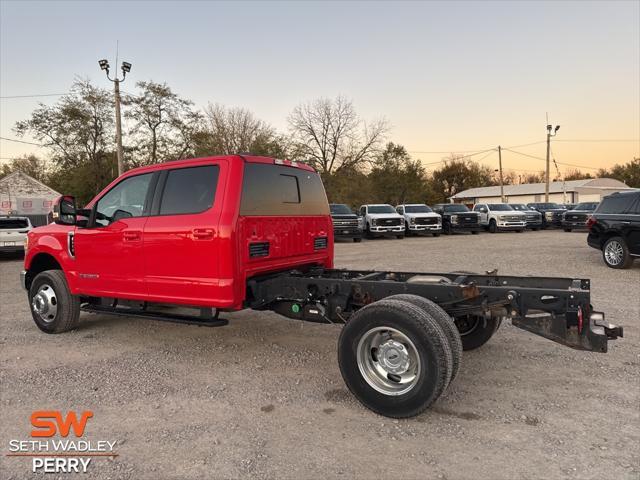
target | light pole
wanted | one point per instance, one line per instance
(126, 67)
(549, 135)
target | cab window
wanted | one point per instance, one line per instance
(189, 190)
(125, 200)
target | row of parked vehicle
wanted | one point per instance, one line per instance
(377, 220)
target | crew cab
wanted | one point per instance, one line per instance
(245, 232)
(614, 228)
(533, 217)
(419, 218)
(382, 220)
(551, 213)
(497, 217)
(457, 217)
(13, 233)
(577, 217)
(346, 224)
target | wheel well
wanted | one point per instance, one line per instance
(607, 236)
(40, 263)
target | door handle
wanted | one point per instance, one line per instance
(202, 233)
(131, 236)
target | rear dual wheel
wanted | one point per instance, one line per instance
(395, 356)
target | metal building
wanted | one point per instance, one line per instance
(572, 191)
(24, 196)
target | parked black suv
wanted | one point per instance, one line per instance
(457, 218)
(551, 213)
(576, 218)
(346, 224)
(614, 228)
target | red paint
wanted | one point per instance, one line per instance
(193, 259)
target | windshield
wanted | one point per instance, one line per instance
(519, 206)
(588, 206)
(417, 209)
(548, 206)
(456, 208)
(13, 223)
(340, 209)
(500, 207)
(381, 209)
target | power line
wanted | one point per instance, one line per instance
(602, 140)
(21, 141)
(544, 159)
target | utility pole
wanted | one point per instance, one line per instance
(549, 135)
(126, 68)
(501, 179)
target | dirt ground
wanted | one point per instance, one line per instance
(263, 396)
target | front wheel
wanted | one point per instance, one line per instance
(476, 330)
(493, 226)
(436, 234)
(400, 236)
(446, 229)
(567, 229)
(53, 308)
(357, 239)
(615, 253)
(474, 232)
(395, 358)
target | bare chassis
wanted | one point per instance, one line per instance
(555, 308)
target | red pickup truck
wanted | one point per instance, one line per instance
(233, 232)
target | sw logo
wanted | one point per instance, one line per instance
(48, 422)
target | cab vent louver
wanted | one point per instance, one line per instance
(260, 249)
(319, 243)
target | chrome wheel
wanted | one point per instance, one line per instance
(45, 303)
(388, 361)
(614, 253)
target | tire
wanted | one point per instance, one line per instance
(368, 232)
(53, 308)
(615, 253)
(474, 232)
(493, 226)
(519, 231)
(476, 330)
(535, 229)
(357, 239)
(400, 237)
(567, 229)
(446, 229)
(407, 232)
(436, 234)
(422, 336)
(446, 324)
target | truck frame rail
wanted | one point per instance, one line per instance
(558, 309)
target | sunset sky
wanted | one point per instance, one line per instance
(449, 77)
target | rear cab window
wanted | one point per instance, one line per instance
(275, 190)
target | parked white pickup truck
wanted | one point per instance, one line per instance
(382, 219)
(419, 218)
(497, 217)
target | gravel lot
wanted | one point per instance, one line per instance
(263, 397)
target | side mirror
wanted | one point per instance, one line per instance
(64, 210)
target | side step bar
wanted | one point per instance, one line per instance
(204, 320)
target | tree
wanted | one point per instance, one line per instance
(229, 131)
(78, 132)
(459, 174)
(164, 125)
(576, 174)
(628, 173)
(396, 179)
(329, 135)
(532, 178)
(32, 165)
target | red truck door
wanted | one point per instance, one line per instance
(181, 237)
(108, 254)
